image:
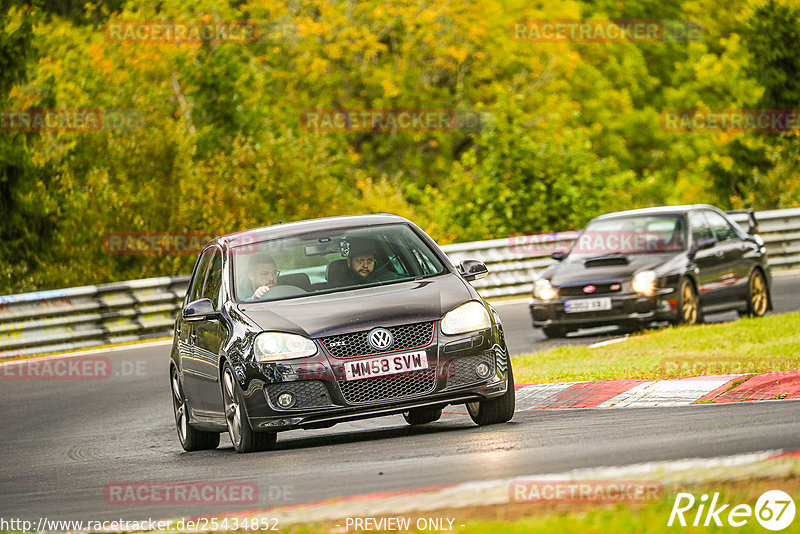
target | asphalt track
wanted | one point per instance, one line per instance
(64, 441)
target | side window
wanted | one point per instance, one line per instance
(700, 228)
(214, 280)
(196, 285)
(720, 226)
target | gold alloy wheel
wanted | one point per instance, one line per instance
(758, 294)
(689, 303)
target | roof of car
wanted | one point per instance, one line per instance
(659, 210)
(281, 230)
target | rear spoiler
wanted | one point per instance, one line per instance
(751, 219)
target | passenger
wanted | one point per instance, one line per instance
(362, 263)
(262, 273)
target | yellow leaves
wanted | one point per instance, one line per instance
(459, 54)
(334, 50)
(353, 155)
(96, 53)
(319, 66)
(389, 89)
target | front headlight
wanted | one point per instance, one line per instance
(273, 346)
(644, 283)
(543, 290)
(468, 317)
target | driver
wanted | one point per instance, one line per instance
(262, 273)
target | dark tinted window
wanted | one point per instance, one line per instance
(196, 286)
(720, 226)
(214, 280)
(700, 228)
(321, 262)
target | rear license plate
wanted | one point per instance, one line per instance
(587, 305)
(386, 365)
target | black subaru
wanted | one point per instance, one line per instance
(672, 264)
(307, 324)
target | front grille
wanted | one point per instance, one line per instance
(409, 336)
(601, 289)
(464, 373)
(308, 393)
(388, 387)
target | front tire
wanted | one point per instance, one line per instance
(421, 416)
(243, 437)
(493, 411)
(757, 296)
(688, 312)
(191, 439)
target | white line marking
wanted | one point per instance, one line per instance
(539, 395)
(609, 342)
(88, 352)
(664, 393)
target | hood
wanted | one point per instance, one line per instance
(579, 272)
(361, 309)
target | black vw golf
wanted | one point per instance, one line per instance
(649, 265)
(307, 324)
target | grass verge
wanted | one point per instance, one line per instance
(761, 345)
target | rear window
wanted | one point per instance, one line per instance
(326, 262)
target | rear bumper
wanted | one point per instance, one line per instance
(625, 309)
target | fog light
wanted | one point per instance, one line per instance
(483, 370)
(285, 400)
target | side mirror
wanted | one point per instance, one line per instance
(473, 270)
(706, 243)
(701, 244)
(558, 255)
(200, 310)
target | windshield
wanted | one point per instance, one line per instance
(643, 234)
(325, 262)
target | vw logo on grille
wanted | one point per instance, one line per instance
(380, 339)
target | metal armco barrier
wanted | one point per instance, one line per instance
(51, 321)
(64, 319)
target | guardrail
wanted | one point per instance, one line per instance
(58, 320)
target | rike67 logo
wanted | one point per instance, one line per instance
(774, 510)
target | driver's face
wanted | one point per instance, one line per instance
(362, 265)
(264, 274)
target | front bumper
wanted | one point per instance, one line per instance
(626, 309)
(324, 397)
